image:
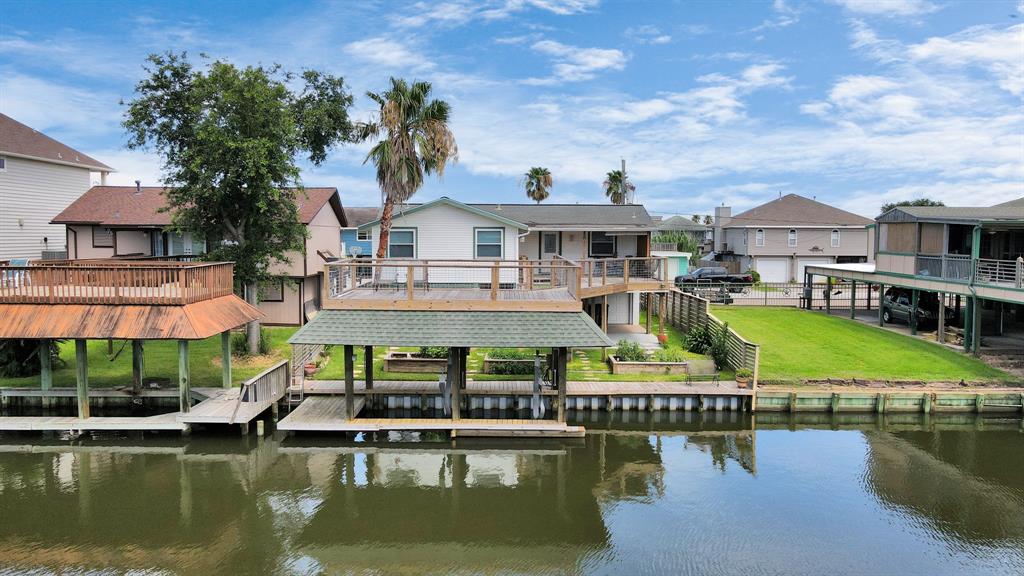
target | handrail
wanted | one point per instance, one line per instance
(271, 383)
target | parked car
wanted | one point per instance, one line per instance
(897, 306)
(712, 275)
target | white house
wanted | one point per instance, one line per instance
(39, 177)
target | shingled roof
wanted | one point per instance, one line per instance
(795, 210)
(131, 206)
(17, 139)
(358, 216)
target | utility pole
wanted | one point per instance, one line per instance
(625, 189)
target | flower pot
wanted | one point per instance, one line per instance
(742, 382)
(662, 338)
(309, 369)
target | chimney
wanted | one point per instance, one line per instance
(723, 215)
(138, 187)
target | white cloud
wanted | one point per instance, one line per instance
(461, 12)
(1000, 52)
(56, 107)
(573, 64)
(647, 34)
(388, 53)
(889, 8)
(785, 16)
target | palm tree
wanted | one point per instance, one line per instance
(538, 182)
(617, 186)
(695, 218)
(708, 220)
(414, 140)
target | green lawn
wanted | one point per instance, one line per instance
(798, 345)
(161, 362)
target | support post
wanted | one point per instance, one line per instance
(82, 377)
(940, 335)
(456, 383)
(368, 366)
(828, 294)
(881, 304)
(225, 358)
(184, 385)
(869, 297)
(45, 368)
(562, 356)
(604, 322)
(853, 298)
(350, 384)
(976, 330)
(968, 324)
(915, 296)
(650, 310)
(662, 309)
(138, 366)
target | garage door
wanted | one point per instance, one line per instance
(772, 269)
(805, 262)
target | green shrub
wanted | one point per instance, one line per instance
(755, 275)
(698, 339)
(670, 355)
(510, 354)
(630, 352)
(240, 346)
(511, 368)
(744, 373)
(719, 350)
(434, 352)
(20, 358)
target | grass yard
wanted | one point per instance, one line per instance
(161, 362)
(798, 345)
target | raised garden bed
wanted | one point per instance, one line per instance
(413, 362)
(511, 365)
(620, 367)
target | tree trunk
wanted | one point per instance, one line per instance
(385, 227)
(252, 329)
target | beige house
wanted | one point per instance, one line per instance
(779, 239)
(39, 176)
(127, 221)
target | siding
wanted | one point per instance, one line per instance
(445, 232)
(852, 242)
(350, 237)
(35, 192)
(286, 312)
(324, 235)
(83, 248)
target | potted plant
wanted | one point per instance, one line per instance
(743, 377)
(309, 369)
(662, 338)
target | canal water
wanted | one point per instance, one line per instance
(691, 494)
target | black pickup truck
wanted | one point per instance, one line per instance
(713, 275)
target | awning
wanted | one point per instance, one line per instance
(461, 329)
(142, 322)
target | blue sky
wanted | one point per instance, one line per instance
(855, 102)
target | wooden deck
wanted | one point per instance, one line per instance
(167, 421)
(524, 387)
(326, 414)
(545, 299)
(221, 406)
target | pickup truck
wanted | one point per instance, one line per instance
(712, 275)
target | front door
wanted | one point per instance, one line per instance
(548, 245)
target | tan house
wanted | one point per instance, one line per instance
(128, 221)
(39, 176)
(779, 239)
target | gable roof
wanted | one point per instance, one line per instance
(795, 210)
(549, 216)
(1010, 211)
(1018, 203)
(361, 215)
(681, 223)
(17, 139)
(130, 206)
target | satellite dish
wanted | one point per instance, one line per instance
(355, 250)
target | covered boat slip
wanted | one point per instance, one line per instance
(458, 331)
(133, 301)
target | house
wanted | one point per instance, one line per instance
(779, 239)
(129, 221)
(607, 240)
(39, 176)
(698, 232)
(354, 242)
(971, 257)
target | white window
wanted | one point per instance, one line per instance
(488, 243)
(602, 244)
(759, 237)
(102, 237)
(402, 243)
(835, 238)
(792, 237)
(3, 164)
(364, 235)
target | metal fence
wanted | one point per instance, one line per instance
(819, 295)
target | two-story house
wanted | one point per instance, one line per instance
(129, 221)
(39, 176)
(611, 244)
(357, 243)
(779, 239)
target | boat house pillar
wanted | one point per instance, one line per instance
(184, 385)
(225, 358)
(350, 382)
(45, 370)
(138, 366)
(82, 377)
(368, 366)
(561, 365)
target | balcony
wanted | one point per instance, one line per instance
(983, 271)
(611, 275)
(115, 282)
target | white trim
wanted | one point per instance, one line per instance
(834, 238)
(368, 232)
(3, 164)
(791, 238)
(759, 237)
(477, 244)
(415, 241)
(88, 167)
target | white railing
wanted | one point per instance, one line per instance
(947, 267)
(1007, 272)
(604, 271)
(267, 386)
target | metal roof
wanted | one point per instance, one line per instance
(463, 329)
(1009, 211)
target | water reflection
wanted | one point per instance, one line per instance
(312, 505)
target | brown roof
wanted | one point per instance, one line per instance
(359, 216)
(188, 322)
(794, 210)
(19, 139)
(129, 206)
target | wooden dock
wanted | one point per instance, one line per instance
(525, 387)
(167, 421)
(326, 414)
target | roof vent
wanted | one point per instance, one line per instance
(59, 156)
(77, 159)
(498, 209)
(138, 187)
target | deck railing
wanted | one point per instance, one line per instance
(1000, 272)
(267, 386)
(985, 271)
(114, 282)
(411, 279)
(948, 267)
(605, 271)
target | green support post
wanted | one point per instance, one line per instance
(881, 304)
(914, 299)
(82, 377)
(225, 358)
(853, 298)
(976, 327)
(184, 385)
(968, 326)
(138, 366)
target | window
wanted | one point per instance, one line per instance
(102, 237)
(402, 243)
(835, 238)
(488, 243)
(759, 237)
(792, 237)
(601, 244)
(3, 164)
(550, 240)
(272, 290)
(364, 235)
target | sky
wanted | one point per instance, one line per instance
(852, 102)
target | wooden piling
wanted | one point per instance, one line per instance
(225, 359)
(184, 385)
(350, 383)
(82, 377)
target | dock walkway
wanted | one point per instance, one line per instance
(525, 387)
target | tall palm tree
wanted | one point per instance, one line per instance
(415, 140)
(695, 218)
(538, 182)
(617, 186)
(708, 220)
